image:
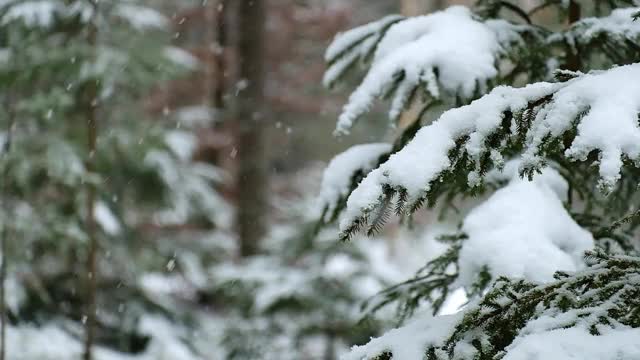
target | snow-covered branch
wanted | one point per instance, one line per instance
(521, 320)
(616, 36)
(596, 112)
(449, 54)
(344, 173)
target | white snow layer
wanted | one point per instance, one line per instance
(520, 224)
(42, 13)
(611, 100)
(409, 341)
(191, 188)
(106, 219)
(426, 156)
(181, 57)
(273, 281)
(165, 335)
(353, 45)
(32, 13)
(336, 179)
(461, 50)
(182, 143)
(343, 41)
(196, 116)
(141, 17)
(576, 343)
(619, 24)
(51, 342)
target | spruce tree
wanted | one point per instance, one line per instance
(540, 119)
(86, 170)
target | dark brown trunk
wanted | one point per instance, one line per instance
(90, 106)
(252, 176)
(219, 56)
(420, 7)
(216, 42)
(573, 57)
(438, 4)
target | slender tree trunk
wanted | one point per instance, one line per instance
(330, 350)
(92, 275)
(216, 42)
(252, 176)
(3, 280)
(573, 58)
(438, 4)
(5, 230)
(91, 115)
(219, 51)
(412, 7)
(420, 7)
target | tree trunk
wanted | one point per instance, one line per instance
(420, 7)
(330, 350)
(90, 112)
(252, 176)
(216, 42)
(10, 106)
(573, 58)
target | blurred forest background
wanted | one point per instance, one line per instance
(160, 163)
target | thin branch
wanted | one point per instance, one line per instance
(4, 237)
(90, 108)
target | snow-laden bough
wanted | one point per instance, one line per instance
(601, 107)
(449, 52)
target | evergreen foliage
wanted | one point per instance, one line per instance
(550, 127)
(598, 301)
(50, 67)
(298, 299)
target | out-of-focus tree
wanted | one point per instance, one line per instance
(61, 62)
(252, 177)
